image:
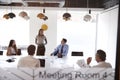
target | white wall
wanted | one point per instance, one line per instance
(107, 33)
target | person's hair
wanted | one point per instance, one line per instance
(65, 40)
(39, 32)
(31, 49)
(101, 54)
(11, 42)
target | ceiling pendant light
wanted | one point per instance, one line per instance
(42, 15)
(24, 15)
(45, 17)
(88, 17)
(6, 16)
(66, 16)
(11, 15)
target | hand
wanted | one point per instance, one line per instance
(59, 55)
(89, 59)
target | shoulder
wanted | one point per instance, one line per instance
(108, 64)
(103, 65)
(9, 48)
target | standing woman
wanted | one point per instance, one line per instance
(41, 41)
(12, 49)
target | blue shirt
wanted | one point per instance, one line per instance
(65, 49)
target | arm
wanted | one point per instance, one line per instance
(45, 41)
(56, 50)
(36, 40)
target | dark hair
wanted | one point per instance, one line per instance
(65, 40)
(11, 42)
(101, 54)
(39, 32)
(31, 49)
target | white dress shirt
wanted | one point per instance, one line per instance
(29, 61)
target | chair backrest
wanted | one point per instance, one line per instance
(19, 52)
(1, 52)
(42, 62)
(76, 53)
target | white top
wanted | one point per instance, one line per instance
(28, 61)
(40, 39)
(12, 50)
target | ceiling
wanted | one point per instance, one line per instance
(61, 3)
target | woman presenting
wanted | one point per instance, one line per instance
(41, 41)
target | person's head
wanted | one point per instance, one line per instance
(40, 32)
(63, 41)
(31, 49)
(100, 56)
(12, 43)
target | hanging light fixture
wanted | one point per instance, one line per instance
(88, 17)
(6, 16)
(24, 15)
(66, 16)
(11, 15)
(45, 17)
(42, 15)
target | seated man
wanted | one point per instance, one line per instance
(62, 49)
(100, 58)
(29, 61)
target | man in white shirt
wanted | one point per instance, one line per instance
(100, 58)
(29, 61)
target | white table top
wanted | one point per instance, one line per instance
(50, 61)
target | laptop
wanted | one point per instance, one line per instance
(1, 52)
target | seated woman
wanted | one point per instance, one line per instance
(12, 49)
